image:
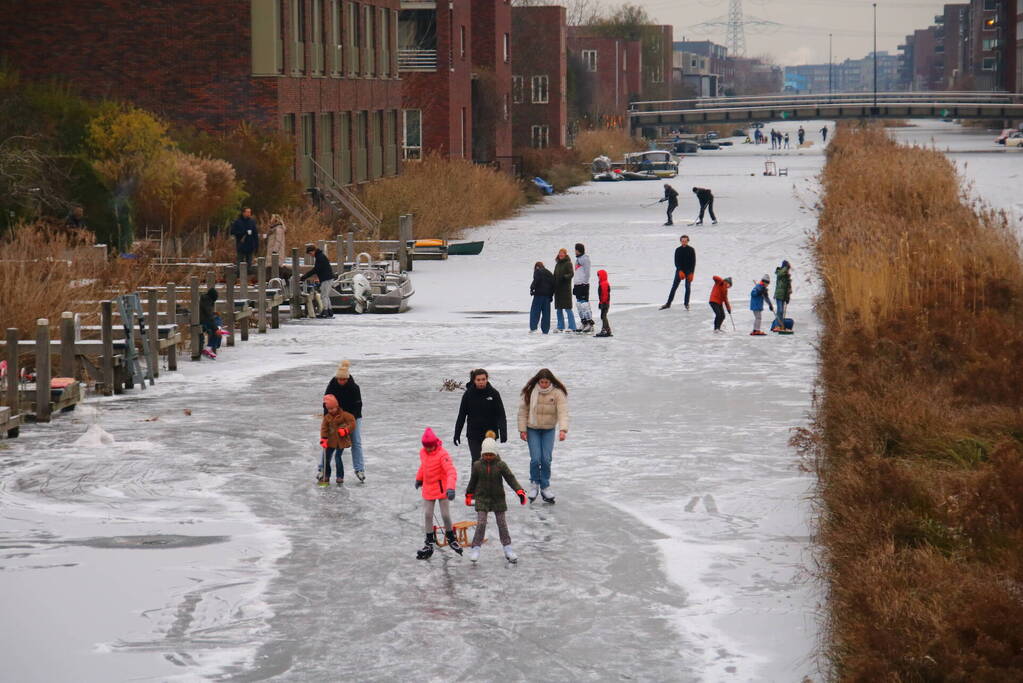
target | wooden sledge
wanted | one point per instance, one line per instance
(461, 534)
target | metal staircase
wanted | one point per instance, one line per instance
(343, 201)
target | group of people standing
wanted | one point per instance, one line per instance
(560, 286)
(246, 235)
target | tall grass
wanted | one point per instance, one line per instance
(614, 142)
(918, 426)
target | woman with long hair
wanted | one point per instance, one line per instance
(543, 412)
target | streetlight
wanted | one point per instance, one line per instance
(875, 59)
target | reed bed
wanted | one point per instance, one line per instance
(613, 142)
(917, 434)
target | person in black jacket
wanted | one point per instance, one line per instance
(542, 289)
(342, 386)
(321, 269)
(685, 269)
(706, 198)
(482, 406)
(246, 236)
(670, 196)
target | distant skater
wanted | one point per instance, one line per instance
(706, 198)
(757, 298)
(670, 196)
(542, 289)
(485, 492)
(824, 133)
(604, 292)
(719, 300)
(685, 270)
(801, 134)
(581, 288)
(786, 140)
(437, 478)
(782, 289)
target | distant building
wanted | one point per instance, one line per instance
(539, 77)
(657, 62)
(718, 63)
(613, 69)
(812, 79)
(491, 82)
(692, 76)
(324, 71)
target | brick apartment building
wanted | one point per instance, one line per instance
(491, 84)
(325, 71)
(657, 62)
(539, 77)
(613, 68)
(435, 61)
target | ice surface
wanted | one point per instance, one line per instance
(678, 548)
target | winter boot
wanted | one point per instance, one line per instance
(510, 555)
(339, 480)
(534, 491)
(474, 554)
(547, 494)
(452, 541)
(427, 550)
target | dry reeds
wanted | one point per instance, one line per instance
(613, 142)
(918, 426)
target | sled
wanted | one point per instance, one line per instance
(461, 534)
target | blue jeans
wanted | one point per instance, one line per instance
(779, 306)
(357, 447)
(561, 318)
(541, 450)
(336, 453)
(540, 312)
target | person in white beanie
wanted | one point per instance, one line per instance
(486, 492)
(343, 387)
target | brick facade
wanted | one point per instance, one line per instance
(539, 73)
(658, 61)
(614, 67)
(217, 64)
(491, 61)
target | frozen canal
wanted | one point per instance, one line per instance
(197, 546)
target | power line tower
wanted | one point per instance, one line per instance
(735, 33)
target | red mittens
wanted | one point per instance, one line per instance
(470, 499)
(342, 431)
(323, 443)
(522, 496)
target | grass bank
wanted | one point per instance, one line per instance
(917, 437)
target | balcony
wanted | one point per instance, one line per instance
(417, 60)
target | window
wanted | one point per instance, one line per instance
(267, 50)
(990, 4)
(288, 124)
(461, 136)
(319, 38)
(361, 145)
(656, 76)
(991, 23)
(507, 46)
(692, 62)
(507, 107)
(461, 42)
(625, 60)
(325, 151)
(297, 36)
(540, 137)
(336, 45)
(354, 38)
(989, 63)
(590, 59)
(344, 148)
(412, 134)
(539, 86)
(991, 44)
(385, 42)
(369, 33)
(390, 148)
(517, 89)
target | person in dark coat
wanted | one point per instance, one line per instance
(542, 288)
(209, 321)
(782, 289)
(246, 236)
(323, 272)
(342, 386)
(685, 269)
(670, 196)
(706, 198)
(76, 219)
(485, 492)
(563, 274)
(482, 407)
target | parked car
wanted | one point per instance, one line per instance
(1006, 132)
(1015, 139)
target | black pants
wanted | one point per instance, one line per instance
(719, 314)
(674, 287)
(671, 208)
(707, 206)
(244, 256)
(605, 325)
(475, 444)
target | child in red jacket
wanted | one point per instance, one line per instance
(604, 292)
(437, 477)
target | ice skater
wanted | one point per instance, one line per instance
(543, 412)
(782, 290)
(335, 436)
(719, 300)
(563, 275)
(542, 289)
(581, 288)
(685, 269)
(482, 407)
(604, 299)
(670, 196)
(824, 134)
(348, 394)
(757, 298)
(437, 478)
(486, 492)
(706, 198)
(801, 134)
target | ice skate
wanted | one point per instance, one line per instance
(664, 307)
(474, 554)
(534, 491)
(339, 481)
(714, 222)
(452, 541)
(603, 333)
(427, 550)
(509, 554)
(360, 475)
(547, 494)
(209, 354)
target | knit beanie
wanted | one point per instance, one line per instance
(342, 370)
(330, 401)
(766, 278)
(728, 280)
(489, 444)
(429, 438)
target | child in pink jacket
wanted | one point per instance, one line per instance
(437, 477)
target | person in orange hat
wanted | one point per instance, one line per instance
(437, 478)
(335, 436)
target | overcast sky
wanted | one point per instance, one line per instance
(802, 37)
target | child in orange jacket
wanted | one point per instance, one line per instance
(335, 436)
(437, 477)
(604, 303)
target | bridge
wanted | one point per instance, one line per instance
(859, 105)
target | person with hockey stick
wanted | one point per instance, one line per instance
(670, 196)
(706, 198)
(437, 478)
(485, 492)
(757, 298)
(482, 406)
(719, 300)
(581, 288)
(335, 436)
(543, 408)
(685, 270)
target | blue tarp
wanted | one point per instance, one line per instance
(544, 186)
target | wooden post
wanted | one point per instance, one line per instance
(153, 320)
(172, 317)
(42, 370)
(339, 252)
(12, 371)
(404, 235)
(243, 296)
(261, 294)
(193, 322)
(275, 266)
(296, 309)
(229, 277)
(275, 273)
(67, 344)
(107, 323)
(350, 248)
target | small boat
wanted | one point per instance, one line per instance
(602, 170)
(659, 162)
(465, 248)
(640, 175)
(371, 288)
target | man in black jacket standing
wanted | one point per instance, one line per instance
(706, 198)
(246, 236)
(685, 269)
(670, 196)
(321, 269)
(542, 289)
(481, 404)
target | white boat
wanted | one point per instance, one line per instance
(602, 170)
(372, 288)
(659, 162)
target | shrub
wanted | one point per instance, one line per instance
(613, 142)
(561, 167)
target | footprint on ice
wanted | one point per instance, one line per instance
(94, 437)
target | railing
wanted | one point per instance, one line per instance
(417, 60)
(340, 197)
(941, 97)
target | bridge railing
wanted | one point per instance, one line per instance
(857, 98)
